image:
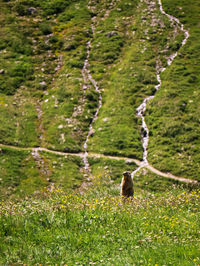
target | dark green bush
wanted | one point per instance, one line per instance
(92, 96)
(21, 9)
(3, 44)
(76, 64)
(45, 28)
(10, 85)
(21, 70)
(20, 46)
(17, 74)
(53, 39)
(55, 6)
(65, 17)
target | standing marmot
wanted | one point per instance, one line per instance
(127, 185)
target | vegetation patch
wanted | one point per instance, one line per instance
(19, 175)
(110, 167)
(63, 172)
(173, 115)
(102, 228)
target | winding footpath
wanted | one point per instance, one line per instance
(96, 155)
(140, 113)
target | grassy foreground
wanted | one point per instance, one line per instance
(98, 227)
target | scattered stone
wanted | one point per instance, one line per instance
(69, 47)
(111, 34)
(31, 11)
(63, 137)
(144, 18)
(92, 131)
(43, 84)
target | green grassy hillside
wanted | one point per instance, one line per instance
(173, 115)
(47, 99)
(72, 75)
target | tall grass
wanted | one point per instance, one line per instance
(100, 228)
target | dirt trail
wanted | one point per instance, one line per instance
(96, 155)
(168, 175)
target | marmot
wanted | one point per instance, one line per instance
(127, 185)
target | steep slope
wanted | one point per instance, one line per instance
(173, 115)
(72, 76)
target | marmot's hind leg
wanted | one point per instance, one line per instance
(130, 192)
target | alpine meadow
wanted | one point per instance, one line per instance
(91, 90)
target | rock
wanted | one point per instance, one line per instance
(43, 84)
(2, 71)
(144, 18)
(31, 11)
(69, 47)
(111, 34)
(92, 131)
(63, 137)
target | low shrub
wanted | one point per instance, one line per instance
(45, 28)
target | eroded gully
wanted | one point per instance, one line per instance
(87, 76)
(142, 108)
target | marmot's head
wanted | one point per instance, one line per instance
(127, 174)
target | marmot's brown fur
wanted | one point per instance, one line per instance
(127, 185)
